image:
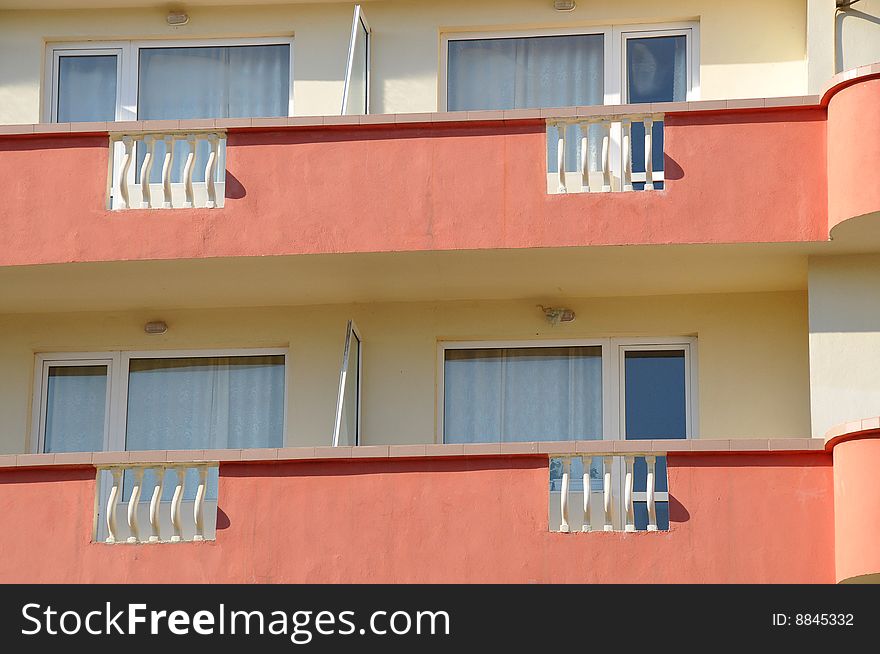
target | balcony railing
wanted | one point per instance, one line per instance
(144, 507)
(576, 506)
(166, 170)
(595, 155)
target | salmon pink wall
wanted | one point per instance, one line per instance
(748, 176)
(763, 517)
(853, 151)
(857, 506)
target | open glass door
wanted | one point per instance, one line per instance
(356, 93)
(347, 426)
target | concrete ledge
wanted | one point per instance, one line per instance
(472, 450)
(285, 122)
(852, 430)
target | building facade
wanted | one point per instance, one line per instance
(439, 291)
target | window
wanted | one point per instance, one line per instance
(559, 68)
(577, 390)
(159, 400)
(356, 91)
(347, 427)
(566, 67)
(85, 85)
(144, 80)
(522, 394)
(566, 390)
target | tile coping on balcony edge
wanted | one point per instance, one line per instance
(362, 452)
(837, 82)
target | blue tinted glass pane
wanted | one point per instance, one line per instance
(576, 480)
(86, 88)
(640, 475)
(655, 394)
(76, 399)
(638, 147)
(640, 510)
(190, 484)
(656, 69)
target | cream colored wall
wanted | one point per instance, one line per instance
(858, 35)
(844, 306)
(749, 48)
(753, 376)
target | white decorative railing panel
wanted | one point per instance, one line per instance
(156, 502)
(608, 492)
(604, 154)
(167, 170)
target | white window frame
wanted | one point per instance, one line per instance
(613, 376)
(53, 70)
(352, 333)
(615, 51)
(117, 362)
(359, 20)
(129, 62)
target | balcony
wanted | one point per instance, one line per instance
(457, 181)
(739, 511)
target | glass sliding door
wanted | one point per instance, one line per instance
(241, 81)
(656, 70)
(522, 394)
(529, 72)
(655, 401)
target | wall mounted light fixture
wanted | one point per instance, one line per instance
(177, 18)
(156, 327)
(564, 5)
(556, 315)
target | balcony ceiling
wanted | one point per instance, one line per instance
(539, 275)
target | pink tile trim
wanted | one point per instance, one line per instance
(864, 428)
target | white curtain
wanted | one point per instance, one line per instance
(76, 399)
(522, 394)
(532, 72)
(210, 82)
(86, 88)
(204, 403)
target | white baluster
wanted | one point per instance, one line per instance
(156, 503)
(128, 144)
(167, 166)
(563, 495)
(199, 506)
(587, 461)
(628, 494)
(188, 170)
(626, 181)
(176, 501)
(112, 502)
(560, 156)
(606, 153)
(649, 488)
(585, 156)
(210, 172)
(649, 160)
(133, 500)
(146, 167)
(606, 490)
